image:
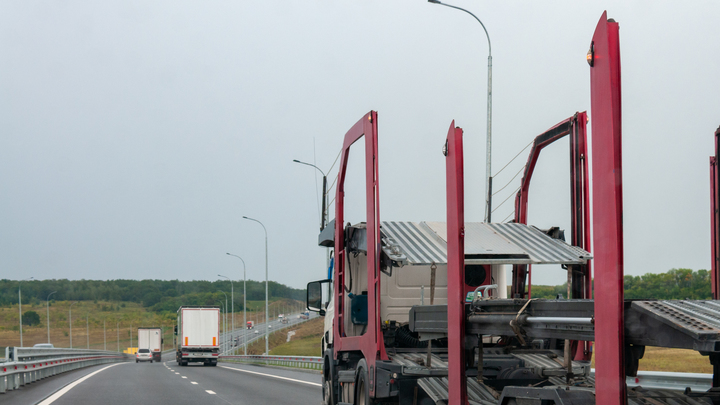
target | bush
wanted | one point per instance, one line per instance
(31, 318)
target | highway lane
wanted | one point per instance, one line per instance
(39, 390)
(165, 382)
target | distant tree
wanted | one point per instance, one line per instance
(31, 318)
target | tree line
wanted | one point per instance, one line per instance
(156, 295)
(675, 284)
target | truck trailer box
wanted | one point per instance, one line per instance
(198, 334)
(150, 338)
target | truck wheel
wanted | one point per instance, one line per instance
(362, 388)
(329, 387)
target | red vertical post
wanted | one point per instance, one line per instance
(715, 219)
(604, 59)
(457, 381)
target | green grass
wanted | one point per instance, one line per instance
(309, 346)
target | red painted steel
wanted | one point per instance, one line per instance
(457, 382)
(574, 126)
(371, 344)
(605, 94)
(715, 218)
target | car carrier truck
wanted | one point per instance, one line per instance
(197, 333)
(151, 339)
(417, 314)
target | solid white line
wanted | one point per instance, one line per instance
(273, 376)
(210, 392)
(54, 397)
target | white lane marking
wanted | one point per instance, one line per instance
(184, 377)
(177, 373)
(273, 376)
(210, 392)
(193, 383)
(54, 397)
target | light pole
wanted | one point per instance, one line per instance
(105, 337)
(225, 318)
(20, 308)
(117, 329)
(244, 301)
(48, 313)
(324, 191)
(232, 306)
(267, 330)
(87, 330)
(488, 173)
(70, 321)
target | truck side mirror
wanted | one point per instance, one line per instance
(315, 296)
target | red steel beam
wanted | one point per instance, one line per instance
(605, 95)
(371, 344)
(715, 218)
(457, 382)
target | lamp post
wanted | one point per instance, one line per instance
(225, 317)
(117, 329)
(324, 191)
(20, 308)
(232, 306)
(70, 321)
(48, 313)
(105, 337)
(488, 173)
(244, 302)
(87, 331)
(267, 330)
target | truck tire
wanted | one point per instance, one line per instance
(329, 380)
(362, 386)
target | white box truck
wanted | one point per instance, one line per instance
(151, 339)
(198, 335)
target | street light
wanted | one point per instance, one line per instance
(232, 305)
(48, 313)
(324, 192)
(244, 302)
(20, 308)
(70, 320)
(225, 318)
(267, 351)
(488, 173)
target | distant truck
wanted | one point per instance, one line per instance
(151, 339)
(250, 324)
(197, 333)
(305, 315)
(284, 319)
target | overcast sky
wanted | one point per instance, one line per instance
(134, 135)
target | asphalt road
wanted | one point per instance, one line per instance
(146, 383)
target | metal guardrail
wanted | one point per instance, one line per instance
(308, 362)
(24, 365)
(671, 381)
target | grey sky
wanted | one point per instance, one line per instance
(135, 135)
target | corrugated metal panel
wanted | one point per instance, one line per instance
(424, 243)
(418, 242)
(437, 389)
(541, 248)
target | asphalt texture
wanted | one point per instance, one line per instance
(166, 382)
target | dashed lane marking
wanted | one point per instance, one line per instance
(210, 392)
(184, 377)
(193, 383)
(177, 373)
(273, 376)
